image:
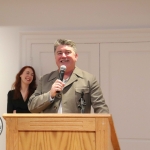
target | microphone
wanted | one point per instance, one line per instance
(62, 72)
(82, 103)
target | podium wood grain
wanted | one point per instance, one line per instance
(60, 132)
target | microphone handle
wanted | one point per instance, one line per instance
(61, 76)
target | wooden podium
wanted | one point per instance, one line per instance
(60, 132)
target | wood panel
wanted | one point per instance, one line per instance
(57, 140)
(56, 124)
(12, 133)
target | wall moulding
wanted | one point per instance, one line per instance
(91, 36)
(87, 36)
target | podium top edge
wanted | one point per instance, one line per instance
(55, 115)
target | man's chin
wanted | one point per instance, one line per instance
(65, 64)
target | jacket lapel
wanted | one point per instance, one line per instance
(77, 73)
(53, 76)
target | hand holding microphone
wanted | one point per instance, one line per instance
(58, 84)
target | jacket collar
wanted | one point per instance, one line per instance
(77, 73)
(53, 75)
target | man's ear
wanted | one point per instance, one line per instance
(76, 55)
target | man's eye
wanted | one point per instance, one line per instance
(67, 53)
(59, 53)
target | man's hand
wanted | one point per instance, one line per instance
(58, 85)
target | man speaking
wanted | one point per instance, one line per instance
(63, 90)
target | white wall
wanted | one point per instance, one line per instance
(9, 58)
(48, 15)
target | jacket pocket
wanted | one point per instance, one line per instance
(80, 90)
(85, 96)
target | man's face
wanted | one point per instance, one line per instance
(65, 55)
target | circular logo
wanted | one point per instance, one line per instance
(1, 126)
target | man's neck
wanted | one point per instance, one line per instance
(67, 74)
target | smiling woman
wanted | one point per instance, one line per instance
(22, 89)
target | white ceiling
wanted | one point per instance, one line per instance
(79, 14)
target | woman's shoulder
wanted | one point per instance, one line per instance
(11, 92)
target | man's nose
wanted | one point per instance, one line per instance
(64, 54)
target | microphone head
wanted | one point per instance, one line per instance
(63, 67)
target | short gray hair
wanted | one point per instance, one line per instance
(65, 42)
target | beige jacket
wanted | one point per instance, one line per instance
(80, 81)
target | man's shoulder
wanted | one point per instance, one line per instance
(50, 75)
(83, 73)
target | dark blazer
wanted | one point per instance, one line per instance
(80, 81)
(16, 104)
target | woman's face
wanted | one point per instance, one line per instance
(27, 76)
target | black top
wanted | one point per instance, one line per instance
(16, 104)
